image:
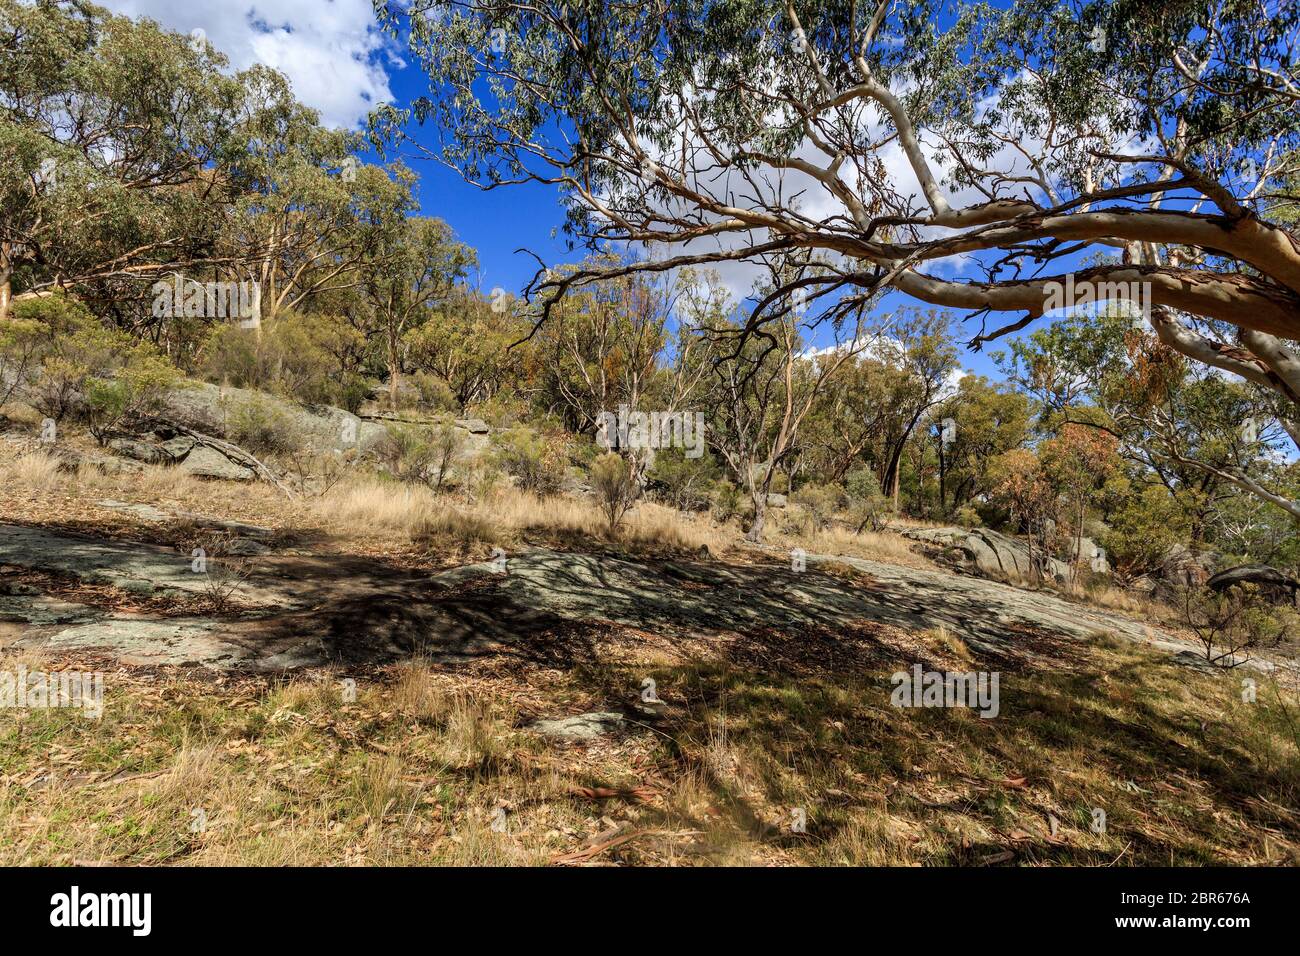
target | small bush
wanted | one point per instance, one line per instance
(1231, 622)
(685, 482)
(21, 344)
(447, 443)
(262, 428)
(615, 487)
(536, 462)
(820, 501)
(422, 455)
(135, 393)
(87, 371)
(728, 501)
(867, 506)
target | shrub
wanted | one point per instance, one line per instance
(867, 506)
(686, 482)
(424, 455)
(447, 443)
(728, 500)
(1143, 530)
(21, 345)
(407, 454)
(314, 359)
(820, 501)
(89, 371)
(435, 394)
(262, 428)
(313, 474)
(536, 463)
(1234, 620)
(615, 487)
(133, 394)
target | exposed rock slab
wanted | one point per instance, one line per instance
(145, 451)
(143, 512)
(205, 462)
(989, 554)
(581, 727)
(322, 428)
(305, 610)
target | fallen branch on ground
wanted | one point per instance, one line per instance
(236, 454)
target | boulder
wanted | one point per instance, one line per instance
(178, 447)
(205, 462)
(1090, 555)
(475, 426)
(776, 501)
(245, 548)
(70, 460)
(145, 451)
(1182, 567)
(581, 727)
(321, 428)
(1271, 581)
(987, 553)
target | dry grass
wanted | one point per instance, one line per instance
(432, 766)
(34, 471)
(886, 546)
(505, 516)
(1131, 603)
(947, 641)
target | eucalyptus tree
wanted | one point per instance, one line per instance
(309, 214)
(466, 344)
(910, 141)
(416, 265)
(762, 384)
(1197, 431)
(118, 150)
(987, 421)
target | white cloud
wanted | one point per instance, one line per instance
(331, 50)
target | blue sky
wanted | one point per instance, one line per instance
(500, 221)
(341, 65)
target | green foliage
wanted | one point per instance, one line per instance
(1232, 622)
(1143, 529)
(867, 506)
(728, 500)
(134, 393)
(87, 371)
(121, 147)
(435, 394)
(21, 344)
(538, 463)
(686, 482)
(262, 428)
(615, 487)
(987, 420)
(421, 453)
(820, 501)
(464, 350)
(316, 359)
(967, 517)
